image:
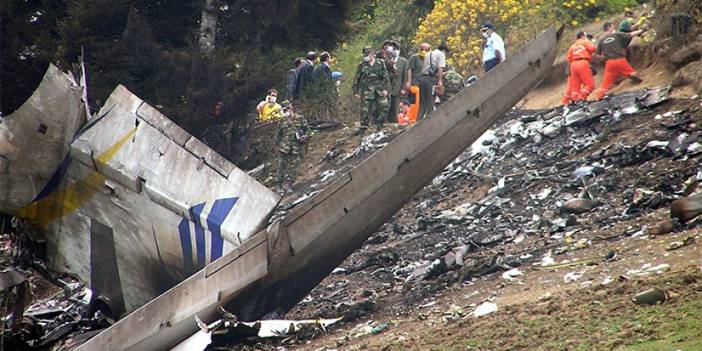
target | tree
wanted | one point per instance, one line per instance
(208, 27)
(28, 40)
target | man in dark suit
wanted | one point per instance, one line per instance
(322, 73)
(291, 78)
(305, 74)
(398, 78)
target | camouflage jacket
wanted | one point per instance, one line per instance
(289, 133)
(371, 79)
(453, 82)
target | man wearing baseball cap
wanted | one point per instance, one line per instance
(494, 49)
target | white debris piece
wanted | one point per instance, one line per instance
(328, 174)
(572, 277)
(648, 268)
(199, 340)
(482, 145)
(584, 171)
(499, 188)
(547, 260)
(457, 213)
(485, 308)
(657, 143)
(511, 274)
(543, 194)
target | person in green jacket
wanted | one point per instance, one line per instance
(291, 140)
(371, 85)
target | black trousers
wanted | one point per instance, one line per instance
(426, 99)
(490, 64)
(392, 111)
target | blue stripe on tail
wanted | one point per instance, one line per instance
(195, 212)
(55, 179)
(220, 211)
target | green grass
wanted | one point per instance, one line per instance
(679, 326)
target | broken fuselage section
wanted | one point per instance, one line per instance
(126, 200)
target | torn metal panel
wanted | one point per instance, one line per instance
(168, 212)
(168, 319)
(130, 209)
(303, 248)
(34, 140)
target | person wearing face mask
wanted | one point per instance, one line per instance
(414, 71)
(494, 49)
(291, 140)
(399, 78)
(269, 109)
(371, 84)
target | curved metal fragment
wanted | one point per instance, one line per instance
(35, 139)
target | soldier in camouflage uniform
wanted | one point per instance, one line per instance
(291, 140)
(453, 83)
(371, 84)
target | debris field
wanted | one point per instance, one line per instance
(546, 201)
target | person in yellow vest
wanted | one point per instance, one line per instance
(269, 109)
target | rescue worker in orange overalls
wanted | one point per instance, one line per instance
(580, 78)
(612, 46)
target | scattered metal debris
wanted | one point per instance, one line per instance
(651, 297)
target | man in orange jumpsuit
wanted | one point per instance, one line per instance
(580, 80)
(612, 46)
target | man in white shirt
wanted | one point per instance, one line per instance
(494, 50)
(432, 72)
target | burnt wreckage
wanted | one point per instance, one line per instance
(167, 230)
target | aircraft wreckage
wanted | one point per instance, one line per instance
(134, 205)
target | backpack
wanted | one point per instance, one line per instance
(454, 82)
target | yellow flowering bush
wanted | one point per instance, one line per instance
(457, 23)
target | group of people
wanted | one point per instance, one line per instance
(313, 70)
(612, 47)
(291, 134)
(400, 90)
(392, 89)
